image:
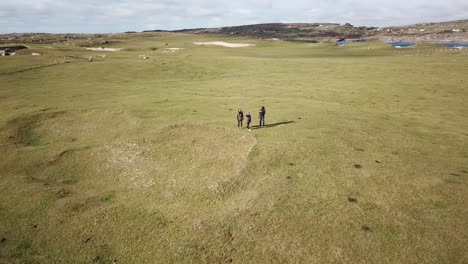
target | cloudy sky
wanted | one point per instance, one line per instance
(126, 15)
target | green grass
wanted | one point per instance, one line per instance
(140, 161)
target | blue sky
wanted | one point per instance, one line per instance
(89, 16)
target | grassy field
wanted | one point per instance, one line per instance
(364, 158)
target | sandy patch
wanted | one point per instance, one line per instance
(224, 44)
(104, 49)
(172, 50)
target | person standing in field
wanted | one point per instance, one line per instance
(261, 116)
(249, 119)
(240, 118)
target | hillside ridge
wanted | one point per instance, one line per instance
(449, 31)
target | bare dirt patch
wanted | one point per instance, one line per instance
(365, 228)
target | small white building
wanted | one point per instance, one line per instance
(6, 52)
(456, 30)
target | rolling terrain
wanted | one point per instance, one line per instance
(135, 157)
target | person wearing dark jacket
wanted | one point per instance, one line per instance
(240, 118)
(249, 119)
(261, 116)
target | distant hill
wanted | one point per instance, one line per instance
(314, 32)
(288, 31)
(452, 31)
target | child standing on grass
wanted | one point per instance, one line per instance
(240, 117)
(249, 119)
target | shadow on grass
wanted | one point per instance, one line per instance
(272, 125)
